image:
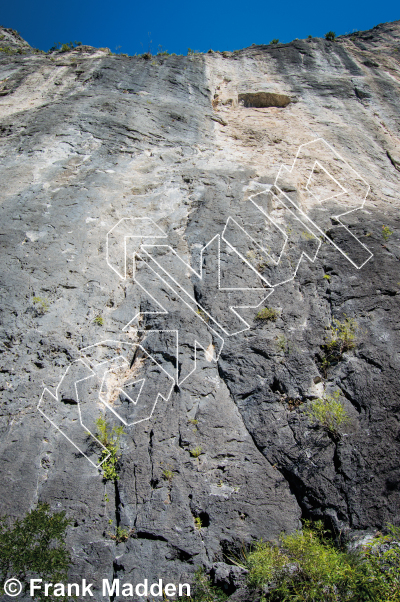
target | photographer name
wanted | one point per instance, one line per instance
(109, 588)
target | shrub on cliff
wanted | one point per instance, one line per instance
(307, 566)
(34, 547)
(267, 313)
(329, 412)
(330, 36)
(110, 438)
(340, 337)
(203, 590)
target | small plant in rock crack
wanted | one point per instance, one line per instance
(197, 523)
(307, 235)
(99, 320)
(329, 412)
(195, 452)
(251, 255)
(121, 534)
(194, 422)
(267, 314)
(41, 305)
(283, 344)
(202, 314)
(386, 232)
(168, 475)
(341, 337)
(110, 438)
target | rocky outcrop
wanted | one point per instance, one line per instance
(90, 142)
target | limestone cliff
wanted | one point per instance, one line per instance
(103, 157)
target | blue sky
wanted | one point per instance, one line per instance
(133, 26)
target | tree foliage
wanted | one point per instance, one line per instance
(34, 546)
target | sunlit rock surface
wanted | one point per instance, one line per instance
(229, 455)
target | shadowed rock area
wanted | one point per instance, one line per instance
(105, 156)
(262, 100)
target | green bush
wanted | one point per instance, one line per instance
(328, 411)
(307, 235)
(121, 534)
(341, 337)
(281, 342)
(99, 320)
(386, 232)
(41, 304)
(274, 41)
(379, 571)
(168, 475)
(265, 563)
(197, 523)
(330, 36)
(34, 546)
(267, 314)
(203, 590)
(195, 453)
(110, 438)
(308, 567)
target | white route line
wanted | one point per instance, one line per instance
(337, 217)
(127, 228)
(136, 221)
(132, 345)
(163, 311)
(303, 253)
(200, 277)
(87, 364)
(56, 398)
(344, 191)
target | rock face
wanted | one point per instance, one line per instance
(103, 157)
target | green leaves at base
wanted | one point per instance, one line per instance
(308, 567)
(34, 546)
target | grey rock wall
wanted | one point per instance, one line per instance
(89, 139)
